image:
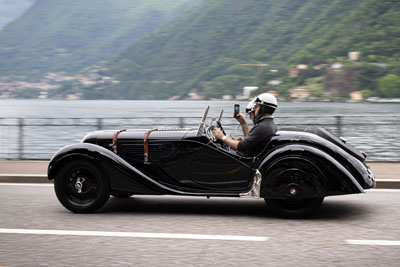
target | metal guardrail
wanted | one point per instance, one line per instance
(39, 138)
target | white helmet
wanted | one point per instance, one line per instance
(251, 106)
(268, 100)
(268, 105)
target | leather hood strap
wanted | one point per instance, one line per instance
(146, 144)
(114, 140)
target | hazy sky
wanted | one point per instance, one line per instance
(12, 9)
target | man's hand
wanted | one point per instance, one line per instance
(245, 127)
(240, 118)
(239, 138)
(229, 141)
(218, 133)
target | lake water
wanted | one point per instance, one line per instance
(371, 127)
(128, 108)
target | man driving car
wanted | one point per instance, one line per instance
(260, 111)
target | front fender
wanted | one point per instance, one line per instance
(330, 174)
(121, 175)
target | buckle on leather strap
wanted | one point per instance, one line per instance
(114, 140)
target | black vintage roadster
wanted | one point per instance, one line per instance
(293, 173)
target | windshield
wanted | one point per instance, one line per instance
(203, 125)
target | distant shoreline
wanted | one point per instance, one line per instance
(379, 101)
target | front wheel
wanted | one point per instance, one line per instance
(293, 208)
(81, 187)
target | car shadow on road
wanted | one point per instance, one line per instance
(223, 206)
(341, 210)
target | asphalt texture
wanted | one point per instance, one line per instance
(322, 240)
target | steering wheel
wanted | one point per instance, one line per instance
(220, 126)
(210, 134)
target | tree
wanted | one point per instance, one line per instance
(389, 86)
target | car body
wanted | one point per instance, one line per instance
(293, 173)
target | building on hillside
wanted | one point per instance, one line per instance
(195, 96)
(337, 65)
(353, 56)
(274, 93)
(300, 93)
(248, 89)
(274, 82)
(293, 73)
(302, 67)
(356, 96)
(318, 67)
(73, 96)
(43, 95)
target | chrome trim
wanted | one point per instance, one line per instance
(203, 120)
(371, 176)
(256, 188)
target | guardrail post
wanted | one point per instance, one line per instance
(181, 122)
(20, 138)
(99, 124)
(339, 125)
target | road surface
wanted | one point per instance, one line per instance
(353, 230)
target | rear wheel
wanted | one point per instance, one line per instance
(297, 187)
(293, 208)
(81, 187)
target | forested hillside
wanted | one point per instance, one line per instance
(221, 46)
(67, 36)
(12, 9)
(160, 49)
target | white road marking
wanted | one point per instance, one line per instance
(22, 175)
(28, 184)
(134, 234)
(382, 190)
(374, 242)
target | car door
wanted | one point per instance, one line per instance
(199, 166)
(215, 168)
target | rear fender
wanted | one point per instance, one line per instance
(327, 175)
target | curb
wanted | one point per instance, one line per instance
(42, 178)
(24, 178)
(388, 184)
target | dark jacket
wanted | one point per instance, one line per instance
(258, 137)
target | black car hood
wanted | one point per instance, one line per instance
(164, 134)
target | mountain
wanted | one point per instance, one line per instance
(220, 46)
(68, 36)
(12, 9)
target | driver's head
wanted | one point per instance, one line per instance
(250, 109)
(266, 104)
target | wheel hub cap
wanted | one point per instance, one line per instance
(293, 191)
(79, 184)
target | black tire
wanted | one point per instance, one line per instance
(81, 187)
(293, 208)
